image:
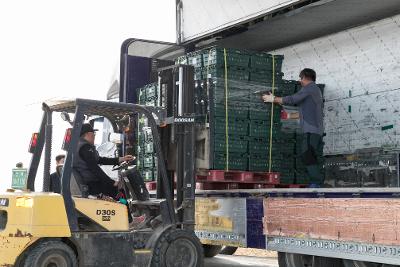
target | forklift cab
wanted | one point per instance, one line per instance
(119, 115)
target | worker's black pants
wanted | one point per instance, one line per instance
(107, 187)
(311, 143)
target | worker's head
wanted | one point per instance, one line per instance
(307, 76)
(60, 159)
(88, 133)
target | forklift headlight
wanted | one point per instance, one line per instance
(25, 202)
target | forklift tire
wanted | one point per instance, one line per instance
(298, 260)
(51, 253)
(351, 263)
(282, 259)
(228, 250)
(211, 250)
(327, 262)
(177, 248)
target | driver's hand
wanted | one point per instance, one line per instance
(127, 158)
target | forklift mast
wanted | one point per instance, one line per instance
(142, 63)
(176, 85)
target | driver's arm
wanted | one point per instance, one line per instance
(108, 161)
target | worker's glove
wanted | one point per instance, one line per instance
(268, 98)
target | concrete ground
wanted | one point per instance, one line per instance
(240, 261)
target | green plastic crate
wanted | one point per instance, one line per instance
(195, 59)
(260, 162)
(149, 161)
(238, 127)
(264, 114)
(264, 61)
(266, 78)
(233, 111)
(235, 57)
(148, 175)
(235, 143)
(233, 74)
(236, 161)
(219, 98)
(149, 148)
(260, 128)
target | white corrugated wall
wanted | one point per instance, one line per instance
(361, 70)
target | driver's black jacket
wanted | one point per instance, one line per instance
(89, 154)
(86, 165)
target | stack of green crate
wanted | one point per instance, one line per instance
(229, 85)
(282, 147)
(146, 157)
(227, 79)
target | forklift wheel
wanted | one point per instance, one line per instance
(177, 248)
(51, 253)
(298, 260)
(211, 250)
(228, 250)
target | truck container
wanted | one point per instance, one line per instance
(354, 47)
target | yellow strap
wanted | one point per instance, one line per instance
(226, 113)
(272, 115)
(207, 73)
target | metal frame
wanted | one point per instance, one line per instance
(83, 107)
(180, 106)
(305, 192)
(336, 249)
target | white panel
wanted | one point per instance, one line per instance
(361, 69)
(201, 17)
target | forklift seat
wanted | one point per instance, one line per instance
(77, 187)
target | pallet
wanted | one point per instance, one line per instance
(230, 186)
(238, 177)
(151, 186)
(216, 185)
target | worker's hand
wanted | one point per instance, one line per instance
(293, 115)
(268, 98)
(127, 158)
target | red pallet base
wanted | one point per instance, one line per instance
(229, 186)
(151, 186)
(238, 176)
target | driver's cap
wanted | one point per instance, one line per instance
(87, 128)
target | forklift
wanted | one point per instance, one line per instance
(71, 229)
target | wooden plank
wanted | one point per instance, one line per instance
(345, 219)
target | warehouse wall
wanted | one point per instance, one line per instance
(361, 70)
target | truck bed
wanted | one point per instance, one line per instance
(305, 192)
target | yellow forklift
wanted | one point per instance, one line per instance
(65, 230)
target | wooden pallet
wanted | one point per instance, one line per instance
(238, 176)
(228, 185)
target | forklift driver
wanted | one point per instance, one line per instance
(87, 165)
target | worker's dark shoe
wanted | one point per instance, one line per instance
(139, 222)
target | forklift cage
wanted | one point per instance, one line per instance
(113, 112)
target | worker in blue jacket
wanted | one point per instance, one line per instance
(310, 103)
